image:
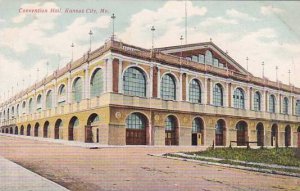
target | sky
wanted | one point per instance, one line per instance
(34, 44)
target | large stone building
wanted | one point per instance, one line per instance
(120, 94)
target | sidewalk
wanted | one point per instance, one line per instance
(14, 178)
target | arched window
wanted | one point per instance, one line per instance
(30, 106)
(239, 98)
(218, 95)
(12, 111)
(257, 101)
(77, 90)
(134, 82)
(208, 57)
(285, 108)
(49, 100)
(39, 102)
(197, 125)
(195, 92)
(168, 87)
(272, 104)
(96, 84)
(24, 107)
(18, 109)
(61, 94)
(135, 121)
(170, 123)
(298, 107)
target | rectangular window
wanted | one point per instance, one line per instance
(216, 62)
(195, 58)
(189, 58)
(201, 58)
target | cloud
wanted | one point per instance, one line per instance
(239, 15)
(218, 21)
(172, 14)
(269, 9)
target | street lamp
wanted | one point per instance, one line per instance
(90, 33)
(113, 27)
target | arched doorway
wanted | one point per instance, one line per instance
(92, 123)
(260, 134)
(220, 133)
(287, 136)
(241, 133)
(58, 125)
(197, 131)
(274, 135)
(74, 122)
(28, 129)
(16, 130)
(298, 132)
(171, 131)
(36, 129)
(11, 130)
(6, 130)
(22, 130)
(45, 129)
(136, 128)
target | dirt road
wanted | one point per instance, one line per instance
(131, 168)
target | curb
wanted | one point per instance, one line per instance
(267, 171)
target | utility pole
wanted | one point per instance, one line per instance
(263, 69)
(72, 46)
(113, 17)
(90, 33)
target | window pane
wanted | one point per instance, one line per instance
(218, 95)
(134, 82)
(77, 90)
(168, 87)
(96, 84)
(170, 123)
(135, 121)
(257, 104)
(239, 99)
(272, 103)
(195, 92)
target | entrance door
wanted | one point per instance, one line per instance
(88, 134)
(194, 139)
(56, 132)
(135, 137)
(241, 135)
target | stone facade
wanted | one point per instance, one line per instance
(113, 106)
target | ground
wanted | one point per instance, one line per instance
(131, 168)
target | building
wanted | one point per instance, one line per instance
(120, 94)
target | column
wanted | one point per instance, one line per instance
(69, 89)
(86, 82)
(208, 83)
(120, 81)
(109, 76)
(158, 82)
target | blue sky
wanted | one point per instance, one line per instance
(263, 31)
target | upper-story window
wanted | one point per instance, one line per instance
(134, 82)
(195, 91)
(272, 103)
(12, 111)
(96, 84)
(218, 95)
(216, 62)
(168, 87)
(39, 103)
(201, 58)
(49, 100)
(257, 101)
(24, 107)
(61, 94)
(77, 90)
(298, 107)
(7, 113)
(208, 57)
(285, 107)
(239, 98)
(18, 109)
(195, 58)
(30, 105)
